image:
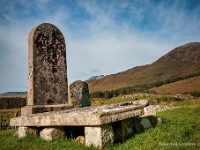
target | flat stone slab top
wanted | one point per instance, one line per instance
(88, 116)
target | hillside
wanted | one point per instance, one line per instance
(180, 61)
(188, 85)
(14, 94)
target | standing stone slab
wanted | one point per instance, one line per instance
(47, 69)
(79, 94)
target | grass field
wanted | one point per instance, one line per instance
(180, 130)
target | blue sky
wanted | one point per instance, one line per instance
(102, 36)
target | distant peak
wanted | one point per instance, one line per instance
(189, 52)
(96, 77)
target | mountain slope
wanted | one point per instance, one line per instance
(180, 61)
(188, 85)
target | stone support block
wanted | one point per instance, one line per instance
(51, 133)
(149, 110)
(24, 131)
(99, 136)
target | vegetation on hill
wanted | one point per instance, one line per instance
(14, 94)
(12, 102)
(144, 88)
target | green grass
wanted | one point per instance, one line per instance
(180, 127)
(180, 130)
(9, 142)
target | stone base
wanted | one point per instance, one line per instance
(28, 110)
(99, 136)
(24, 131)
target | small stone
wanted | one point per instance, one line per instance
(81, 139)
(159, 120)
(144, 103)
(24, 131)
(52, 133)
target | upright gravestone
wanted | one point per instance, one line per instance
(79, 94)
(47, 69)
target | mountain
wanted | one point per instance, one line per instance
(13, 94)
(96, 77)
(181, 61)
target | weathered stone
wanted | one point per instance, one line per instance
(28, 110)
(142, 103)
(52, 133)
(79, 94)
(149, 110)
(159, 120)
(47, 70)
(81, 117)
(24, 131)
(153, 109)
(99, 136)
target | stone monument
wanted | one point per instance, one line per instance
(47, 70)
